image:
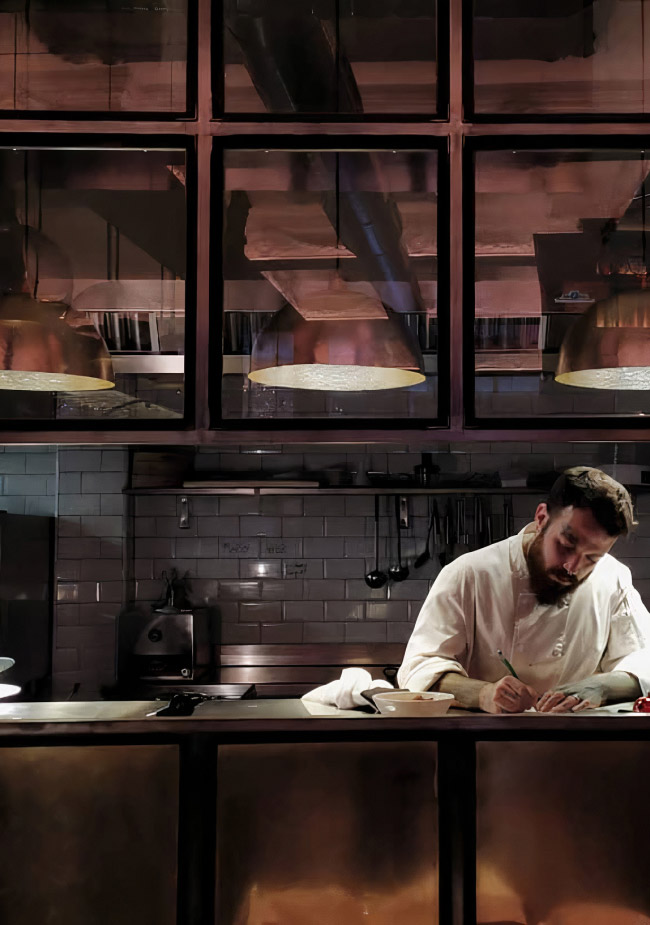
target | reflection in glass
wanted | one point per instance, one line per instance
(336, 239)
(560, 830)
(329, 57)
(100, 825)
(101, 234)
(95, 55)
(561, 56)
(327, 833)
(557, 232)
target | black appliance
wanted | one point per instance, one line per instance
(165, 645)
(26, 565)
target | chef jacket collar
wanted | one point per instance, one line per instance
(518, 563)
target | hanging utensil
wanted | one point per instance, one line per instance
(446, 550)
(398, 572)
(437, 531)
(478, 522)
(488, 524)
(425, 555)
(508, 520)
(461, 528)
(376, 578)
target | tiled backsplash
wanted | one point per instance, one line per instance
(280, 569)
(284, 569)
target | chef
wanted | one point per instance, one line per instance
(545, 619)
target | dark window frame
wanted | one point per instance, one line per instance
(524, 142)
(559, 118)
(130, 115)
(327, 143)
(63, 141)
(440, 113)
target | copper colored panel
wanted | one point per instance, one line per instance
(561, 827)
(89, 834)
(327, 834)
(46, 346)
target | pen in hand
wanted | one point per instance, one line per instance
(505, 661)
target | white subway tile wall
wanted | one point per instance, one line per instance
(278, 569)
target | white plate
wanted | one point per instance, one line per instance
(8, 690)
(412, 703)
(6, 663)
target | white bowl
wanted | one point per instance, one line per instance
(412, 703)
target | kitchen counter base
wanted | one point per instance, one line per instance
(259, 813)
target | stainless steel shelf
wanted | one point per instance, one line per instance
(334, 491)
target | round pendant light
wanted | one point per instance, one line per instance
(608, 347)
(48, 347)
(338, 355)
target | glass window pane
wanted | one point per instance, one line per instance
(561, 56)
(95, 55)
(329, 57)
(549, 824)
(129, 793)
(560, 239)
(93, 268)
(327, 833)
(330, 284)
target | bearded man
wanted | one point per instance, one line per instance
(550, 604)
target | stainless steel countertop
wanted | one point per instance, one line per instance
(137, 716)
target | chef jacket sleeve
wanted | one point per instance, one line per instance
(439, 642)
(628, 646)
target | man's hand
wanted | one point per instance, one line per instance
(573, 698)
(508, 695)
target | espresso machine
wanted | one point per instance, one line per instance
(166, 649)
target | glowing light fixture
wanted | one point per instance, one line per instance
(45, 345)
(48, 347)
(609, 346)
(343, 355)
(339, 339)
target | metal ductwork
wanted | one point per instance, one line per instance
(296, 66)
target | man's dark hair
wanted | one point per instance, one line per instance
(607, 499)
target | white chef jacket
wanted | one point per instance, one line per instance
(482, 602)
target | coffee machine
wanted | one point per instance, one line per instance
(169, 643)
(165, 652)
(164, 646)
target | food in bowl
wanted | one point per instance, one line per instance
(413, 703)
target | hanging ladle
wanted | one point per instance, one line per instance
(376, 578)
(434, 529)
(398, 572)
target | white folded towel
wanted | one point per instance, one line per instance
(346, 692)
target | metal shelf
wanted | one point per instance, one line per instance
(334, 491)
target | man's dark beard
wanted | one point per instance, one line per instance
(542, 583)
